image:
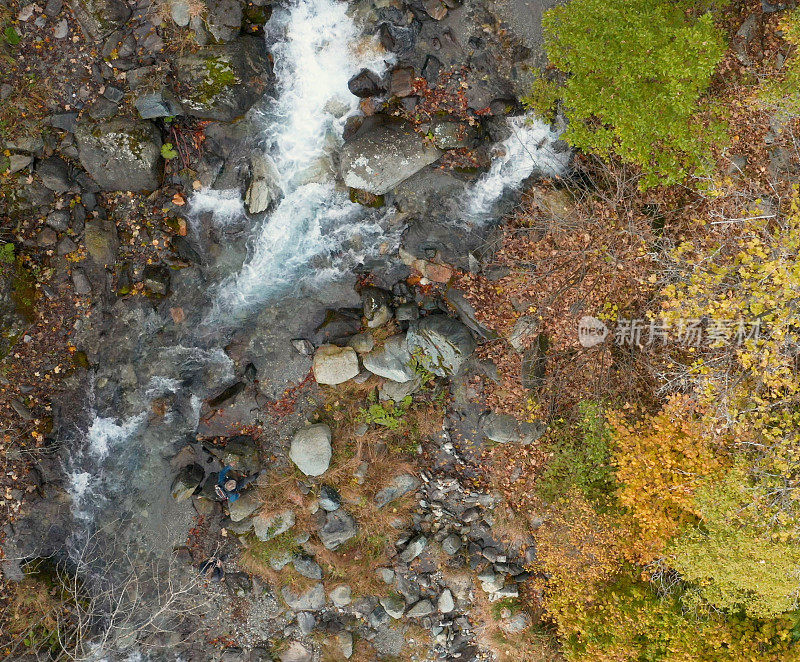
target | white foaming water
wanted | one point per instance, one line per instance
(160, 386)
(316, 48)
(530, 149)
(104, 436)
(105, 433)
(225, 205)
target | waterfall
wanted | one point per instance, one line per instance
(314, 230)
(530, 149)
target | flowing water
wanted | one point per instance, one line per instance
(313, 233)
(316, 48)
(531, 149)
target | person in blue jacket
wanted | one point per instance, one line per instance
(228, 488)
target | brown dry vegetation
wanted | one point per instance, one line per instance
(385, 453)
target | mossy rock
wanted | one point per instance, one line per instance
(221, 82)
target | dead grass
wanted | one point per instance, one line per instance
(356, 562)
(535, 644)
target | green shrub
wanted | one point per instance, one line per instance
(627, 620)
(389, 414)
(581, 459)
(634, 74)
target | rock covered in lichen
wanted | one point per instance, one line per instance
(121, 155)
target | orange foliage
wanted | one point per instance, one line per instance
(660, 462)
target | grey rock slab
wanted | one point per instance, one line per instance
(121, 155)
(398, 488)
(101, 241)
(180, 12)
(264, 188)
(58, 220)
(452, 544)
(241, 453)
(379, 158)
(344, 640)
(378, 618)
(413, 549)
(341, 595)
(445, 604)
(392, 360)
(397, 391)
(311, 449)
(307, 567)
(61, 30)
(244, 506)
(339, 527)
(161, 103)
(329, 498)
(500, 428)
(311, 600)
(466, 313)
(17, 162)
(442, 344)
(306, 622)
(65, 121)
(362, 342)
(223, 19)
(99, 18)
(81, 282)
(222, 81)
(296, 652)
(269, 526)
(54, 173)
(187, 481)
(394, 605)
(421, 609)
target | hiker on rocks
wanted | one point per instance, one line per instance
(212, 568)
(229, 488)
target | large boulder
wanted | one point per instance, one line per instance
(221, 82)
(441, 344)
(392, 360)
(121, 155)
(335, 365)
(311, 449)
(99, 18)
(380, 156)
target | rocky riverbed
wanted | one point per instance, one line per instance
(239, 224)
